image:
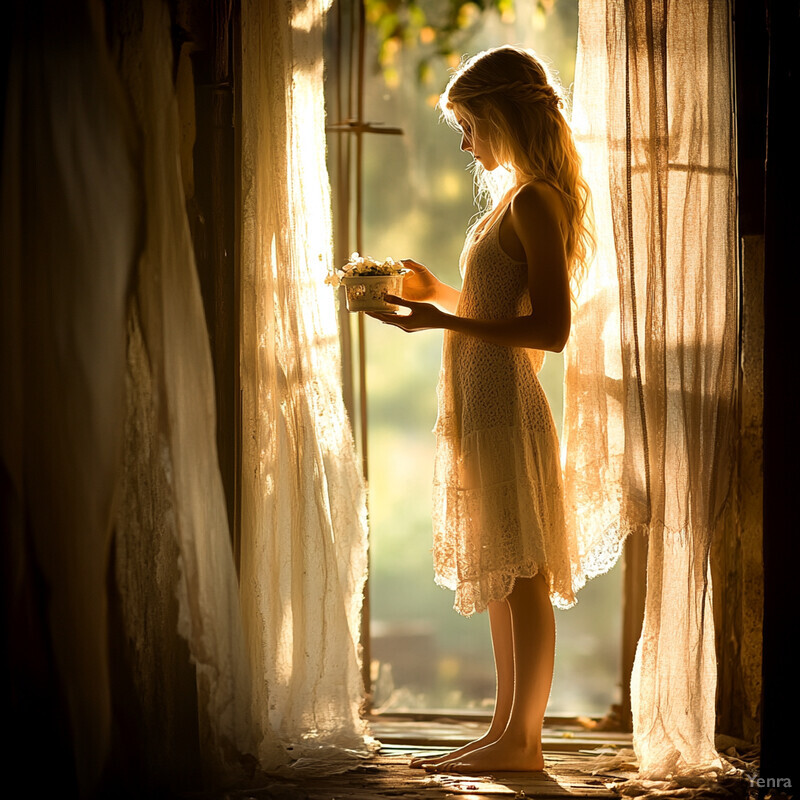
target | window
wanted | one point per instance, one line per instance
(417, 202)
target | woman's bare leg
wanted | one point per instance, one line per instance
(519, 747)
(503, 649)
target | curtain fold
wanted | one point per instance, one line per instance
(651, 367)
(174, 566)
(275, 661)
(68, 242)
(173, 674)
(303, 528)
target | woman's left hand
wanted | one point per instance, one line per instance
(423, 316)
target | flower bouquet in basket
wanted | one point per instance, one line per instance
(367, 282)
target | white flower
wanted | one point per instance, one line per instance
(364, 265)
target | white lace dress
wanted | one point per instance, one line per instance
(498, 505)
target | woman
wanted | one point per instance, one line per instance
(499, 535)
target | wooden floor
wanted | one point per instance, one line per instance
(579, 763)
(388, 775)
(570, 755)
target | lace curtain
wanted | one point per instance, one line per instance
(274, 656)
(110, 480)
(174, 565)
(651, 365)
(303, 529)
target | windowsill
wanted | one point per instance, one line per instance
(560, 734)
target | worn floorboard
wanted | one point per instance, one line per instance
(568, 764)
(387, 775)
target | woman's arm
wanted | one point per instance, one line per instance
(537, 218)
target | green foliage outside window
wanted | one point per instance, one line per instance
(437, 29)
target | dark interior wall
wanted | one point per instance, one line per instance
(736, 563)
(780, 705)
(754, 559)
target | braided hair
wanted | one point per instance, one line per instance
(509, 94)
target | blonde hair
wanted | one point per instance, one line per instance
(510, 95)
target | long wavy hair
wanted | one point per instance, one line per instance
(510, 96)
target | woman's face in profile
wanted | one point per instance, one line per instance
(472, 141)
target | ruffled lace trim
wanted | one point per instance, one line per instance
(499, 516)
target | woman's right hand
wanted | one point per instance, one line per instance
(420, 284)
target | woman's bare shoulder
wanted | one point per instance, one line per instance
(537, 200)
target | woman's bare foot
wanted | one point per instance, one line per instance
(423, 762)
(503, 755)
(523, 633)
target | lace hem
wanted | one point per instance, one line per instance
(499, 515)
(474, 597)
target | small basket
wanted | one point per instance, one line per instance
(366, 292)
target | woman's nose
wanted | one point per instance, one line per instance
(466, 144)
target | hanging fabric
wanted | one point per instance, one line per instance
(303, 528)
(109, 433)
(174, 565)
(68, 232)
(651, 366)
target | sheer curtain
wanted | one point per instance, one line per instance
(274, 657)
(303, 528)
(174, 565)
(651, 366)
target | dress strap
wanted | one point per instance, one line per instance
(486, 229)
